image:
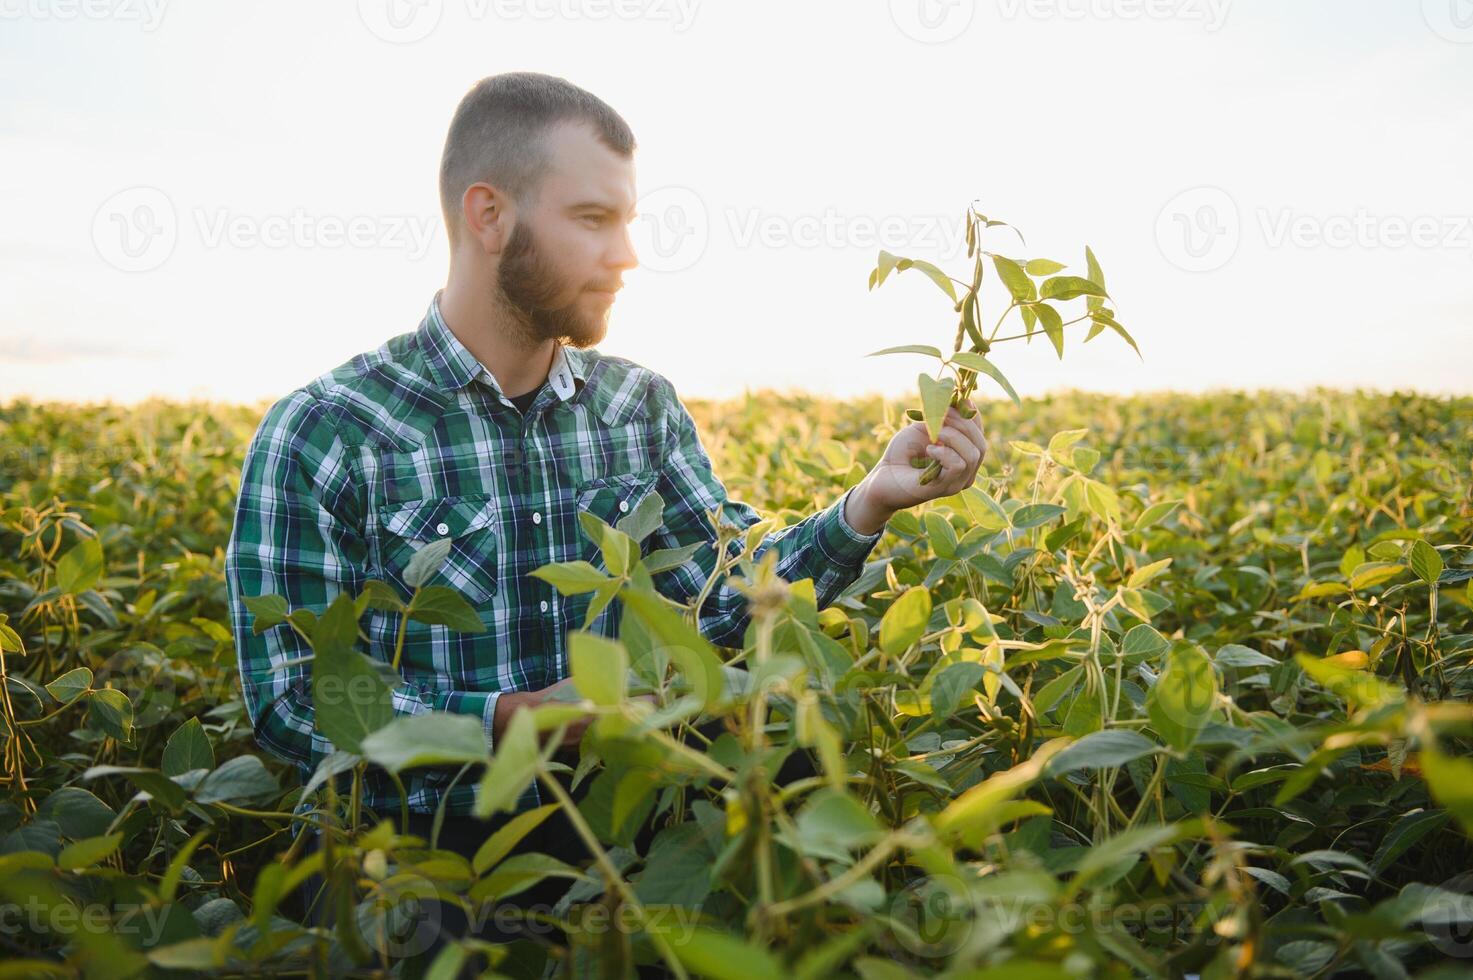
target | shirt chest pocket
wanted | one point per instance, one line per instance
(611, 499)
(468, 521)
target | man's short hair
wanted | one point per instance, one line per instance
(498, 136)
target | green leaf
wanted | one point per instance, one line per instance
(1043, 267)
(692, 654)
(1034, 515)
(1086, 714)
(1109, 854)
(1155, 514)
(883, 267)
(500, 844)
(678, 869)
(10, 641)
(1236, 655)
(941, 279)
(350, 699)
(440, 605)
(832, 823)
(926, 349)
(1425, 562)
(241, 778)
(268, 610)
(1069, 287)
(645, 519)
(935, 400)
(1102, 500)
(376, 594)
(80, 568)
(1182, 700)
(600, 667)
(1053, 325)
(1359, 688)
(433, 738)
(112, 712)
(905, 621)
(718, 955)
(1373, 573)
(512, 768)
(1030, 322)
(1102, 318)
(187, 749)
(953, 683)
(71, 685)
(1015, 279)
(1108, 749)
(941, 535)
(572, 577)
(978, 362)
(427, 561)
(1095, 274)
(158, 786)
(169, 884)
(975, 813)
(77, 812)
(984, 511)
(518, 873)
(87, 852)
(664, 559)
(1146, 573)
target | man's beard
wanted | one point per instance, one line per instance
(529, 287)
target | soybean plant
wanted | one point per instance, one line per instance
(1034, 287)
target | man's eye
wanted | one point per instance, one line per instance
(594, 218)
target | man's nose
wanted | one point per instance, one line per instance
(624, 256)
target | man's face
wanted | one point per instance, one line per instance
(565, 257)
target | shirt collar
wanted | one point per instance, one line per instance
(452, 366)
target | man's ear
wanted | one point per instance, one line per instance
(487, 216)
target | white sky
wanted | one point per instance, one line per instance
(774, 137)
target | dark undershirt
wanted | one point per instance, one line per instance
(524, 402)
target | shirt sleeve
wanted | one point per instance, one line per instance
(822, 547)
(298, 534)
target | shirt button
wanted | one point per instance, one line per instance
(623, 506)
(536, 517)
(442, 528)
(544, 605)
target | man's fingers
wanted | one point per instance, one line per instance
(965, 448)
(971, 428)
(950, 460)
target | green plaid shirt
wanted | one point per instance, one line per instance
(347, 476)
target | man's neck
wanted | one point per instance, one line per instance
(495, 340)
